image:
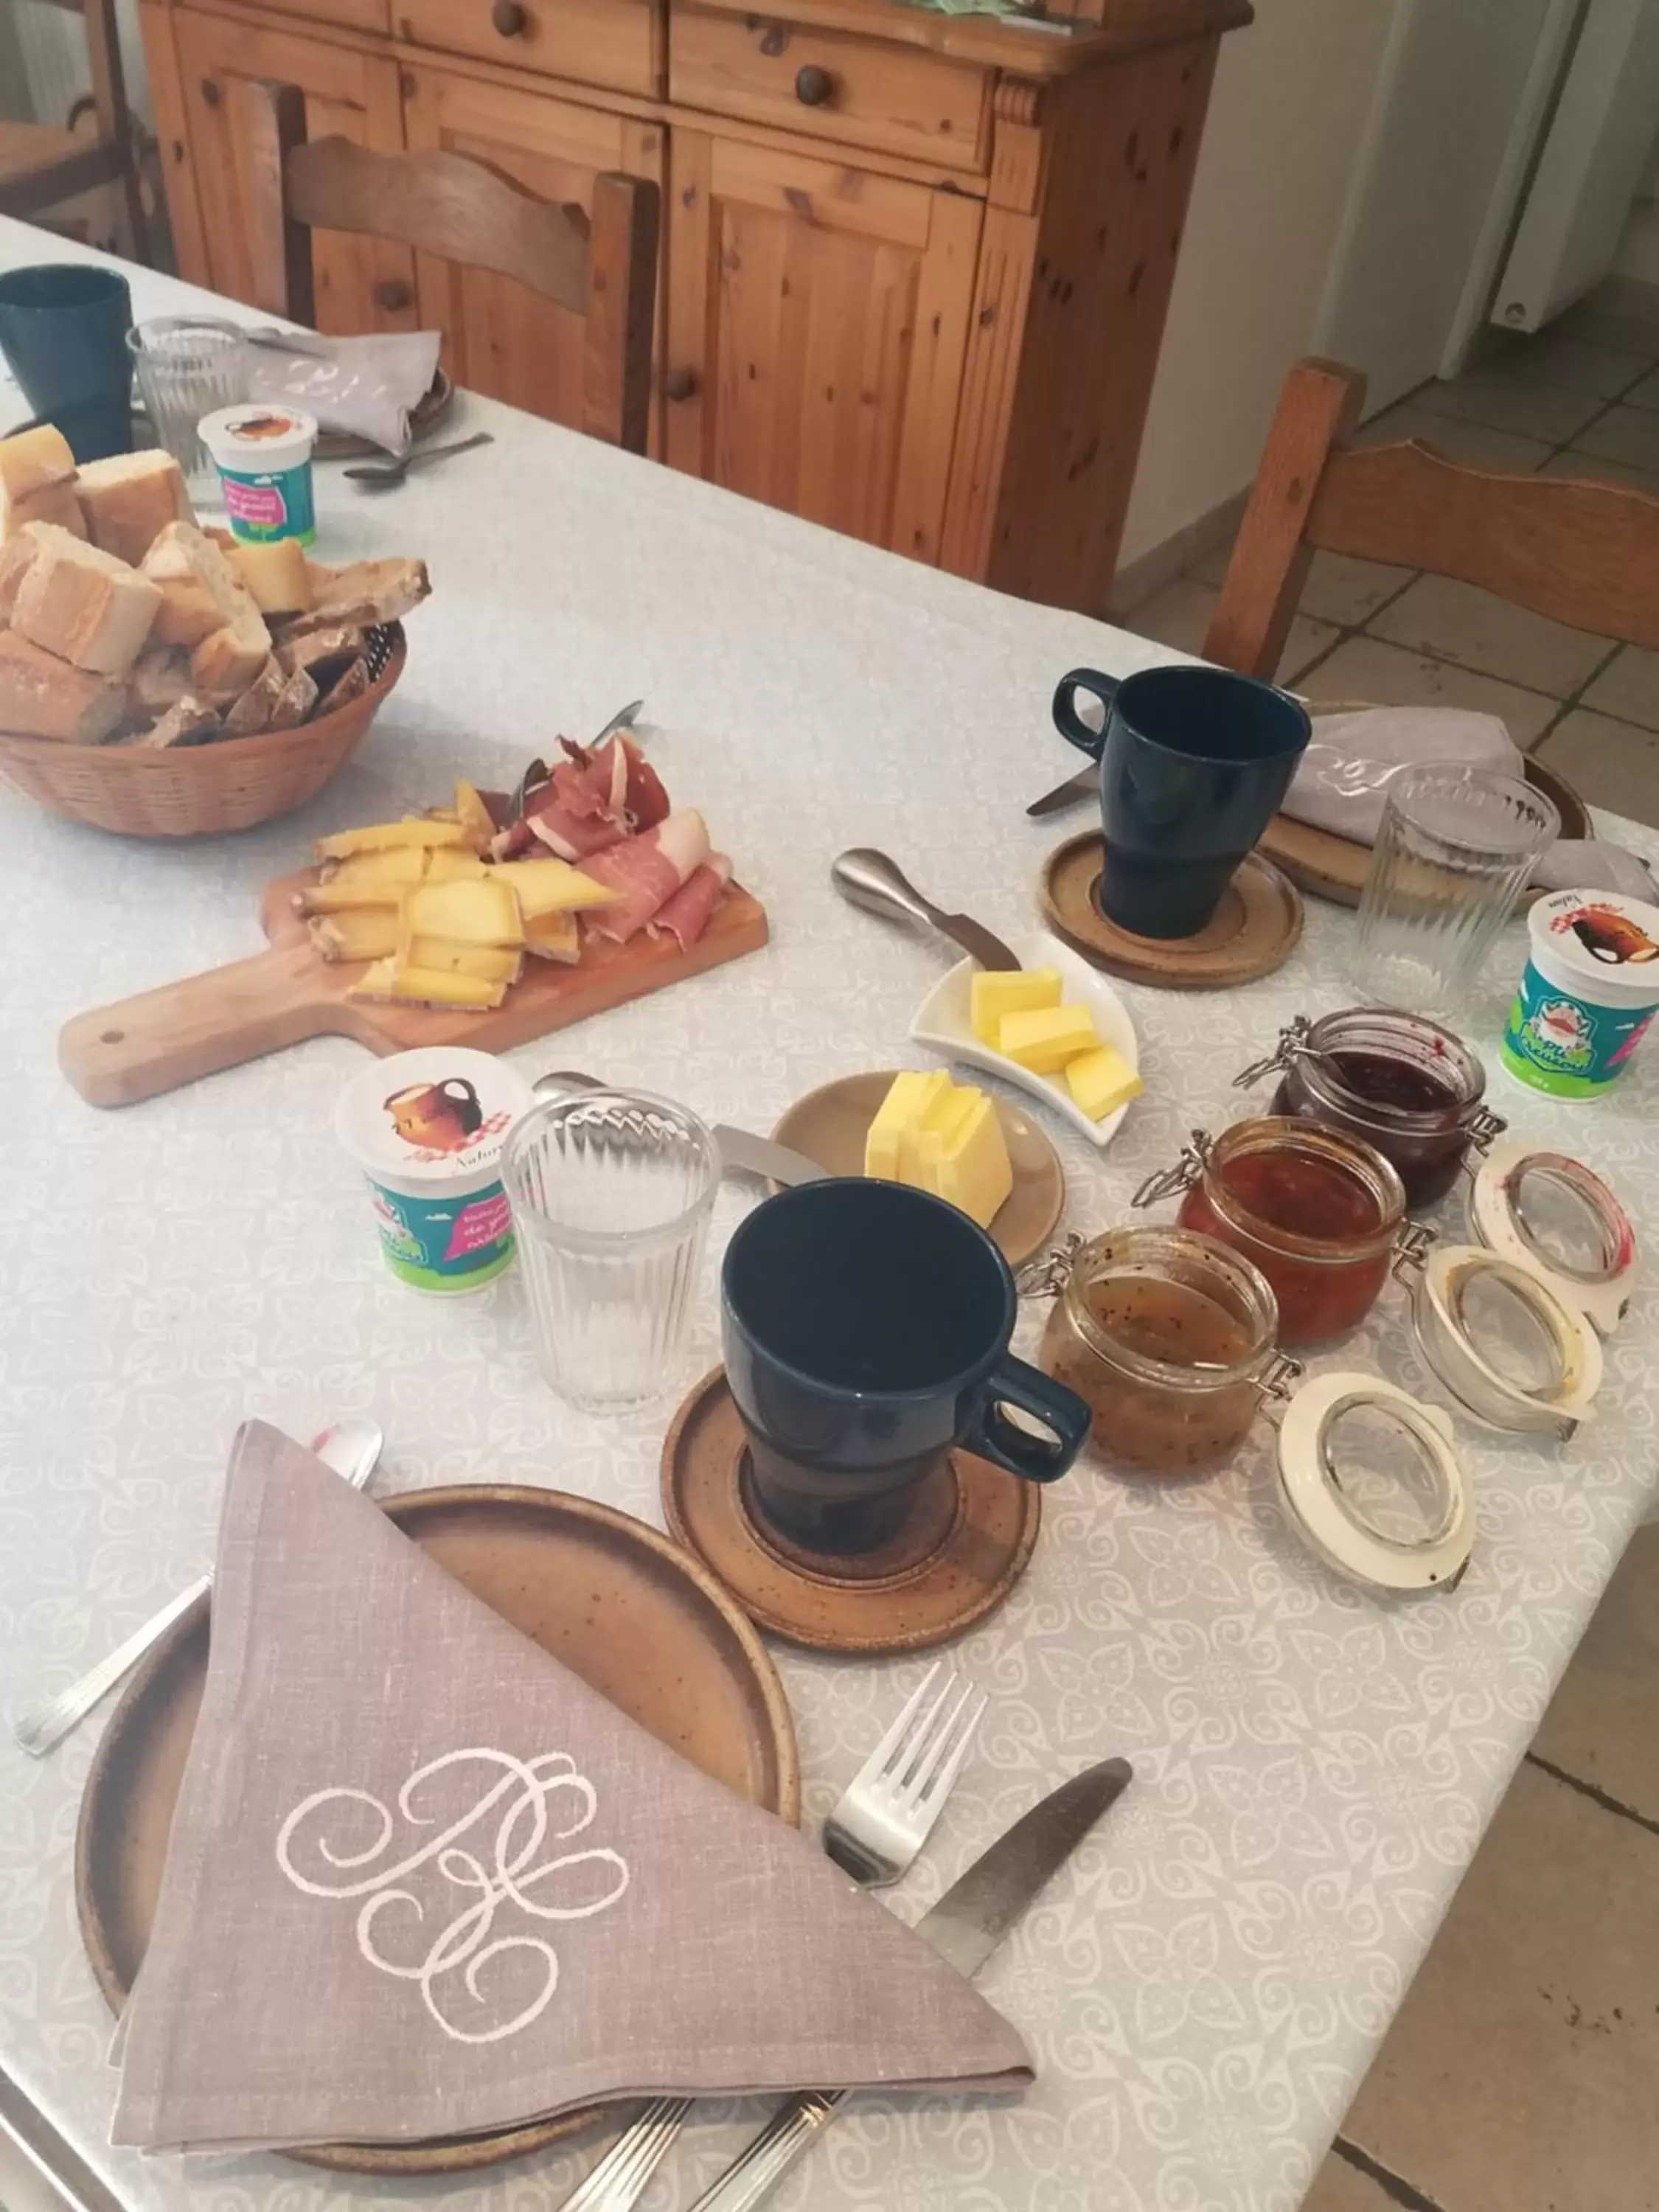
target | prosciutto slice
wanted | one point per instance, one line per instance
(688, 913)
(647, 871)
(634, 791)
(592, 800)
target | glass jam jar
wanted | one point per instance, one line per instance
(1320, 1213)
(1170, 1338)
(1402, 1083)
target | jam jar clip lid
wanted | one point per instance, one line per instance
(1509, 1351)
(1296, 1042)
(1549, 1213)
(1373, 1483)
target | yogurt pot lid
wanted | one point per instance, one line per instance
(1605, 944)
(434, 1118)
(257, 428)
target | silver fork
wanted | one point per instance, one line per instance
(881, 1821)
(351, 1449)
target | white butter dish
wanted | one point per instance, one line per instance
(942, 1021)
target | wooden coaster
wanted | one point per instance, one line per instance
(963, 1548)
(1255, 929)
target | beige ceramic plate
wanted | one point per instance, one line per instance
(639, 1620)
(830, 1125)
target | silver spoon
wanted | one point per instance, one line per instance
(381, 476)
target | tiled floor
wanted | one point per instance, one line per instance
(1582, 400)
(1520, 2074)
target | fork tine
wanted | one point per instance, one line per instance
(915, 1788)
(934, 1723)
(884, 1751)
(938, 1786)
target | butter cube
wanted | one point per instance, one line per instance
(1045, 1040)
(901, 1112)
(965, 1158)
(1101, 1081)
(1025, 992)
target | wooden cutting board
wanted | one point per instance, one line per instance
(166, 1038)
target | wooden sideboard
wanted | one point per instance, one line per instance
(914, 266)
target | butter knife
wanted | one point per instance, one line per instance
(869, 879)
(965, 1927)
(742, 1152)
(1071, 793)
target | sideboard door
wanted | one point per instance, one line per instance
(818, 326)
(362, 283)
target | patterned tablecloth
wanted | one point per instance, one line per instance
(1205, 1986)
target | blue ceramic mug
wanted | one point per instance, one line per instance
(866, 1327)
(1194, 763)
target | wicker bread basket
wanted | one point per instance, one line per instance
(198, 791)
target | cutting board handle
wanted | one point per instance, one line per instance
(142, 1047)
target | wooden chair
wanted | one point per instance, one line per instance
(603, 267)
(1585, 554)
(42, 164)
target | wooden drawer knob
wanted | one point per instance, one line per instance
(509, 18)
(814, 85)
(394, 295)
(678, 384)
(211, 94)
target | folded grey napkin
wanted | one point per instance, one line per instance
(423, 1881)
(357, 387)
(1343, 781)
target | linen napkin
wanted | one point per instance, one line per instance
(423, 1881)
(359, 387)
(1343, 781)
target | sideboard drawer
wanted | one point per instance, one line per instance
(604, 42)
(860, 92)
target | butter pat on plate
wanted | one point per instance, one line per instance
(995, 994)
(945, 1138)
(944, 1021)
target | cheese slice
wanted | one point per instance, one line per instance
(426, 986)
(482, 913)
(1026, 991)
(1045, 1040)
(486, 963)
(382, 836)
(964, 1155)
(897, 1119)
(554, 937)
(552, 886)
(367, 932)
(1101, 1081)
(451, 866)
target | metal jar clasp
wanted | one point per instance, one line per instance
(1412, 1247)
(1046, 1276)
(1292, 1045)
(1187, 1172)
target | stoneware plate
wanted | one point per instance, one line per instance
(1255, 929)
(638, 1618)
(942, 1022)
(830, 1125)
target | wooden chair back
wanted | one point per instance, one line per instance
(602, 267)
(1585, 554)
(30, 187)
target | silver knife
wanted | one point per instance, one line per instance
(741, 1152)
(965, 1927)
(1071, 793)
(869, 879)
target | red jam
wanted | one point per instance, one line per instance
(1315, 1210)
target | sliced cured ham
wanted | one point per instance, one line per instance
(633, 792)
(687, 913)
(646, 871)
(592, 800)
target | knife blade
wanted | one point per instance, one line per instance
(1071, 793)
(965, 1927)
(763, 1156)
(870, 879)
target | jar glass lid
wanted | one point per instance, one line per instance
(1509, 1349)
(1374, 1483)
(1549, 1213)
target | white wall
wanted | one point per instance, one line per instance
(1638, 249)
(1281, 150)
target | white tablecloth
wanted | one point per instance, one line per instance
(1205, 1986)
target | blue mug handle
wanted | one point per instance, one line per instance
(992, 1436)
(1070, 724)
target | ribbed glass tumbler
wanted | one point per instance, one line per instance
(611, 1193)
(1455, 849)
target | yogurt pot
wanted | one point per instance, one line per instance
(1590, 988)
(263, 453)
(427, 1129)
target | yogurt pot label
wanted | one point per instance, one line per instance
(427, 1129)
(263, 454)
(1588, 992)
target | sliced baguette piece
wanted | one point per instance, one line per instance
(188, 722)
(253, 711)
(228, 660)
(201, 592)
(87, 606)
(160, 678)
(344, 689)
(294, 703)
(51, 503)
(16, 559)
(364, 592)
(31, 462)
(128, 499)
(277, 574)
(42, 696)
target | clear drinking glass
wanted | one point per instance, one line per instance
(1455, 851)
(611, 1193)
(187, 366)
